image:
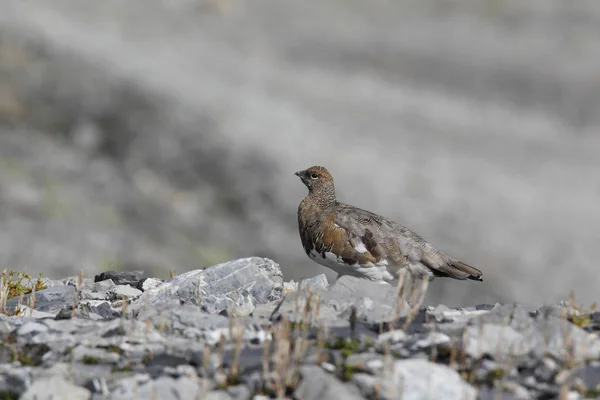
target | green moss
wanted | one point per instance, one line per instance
(26, 360)
(581, 320)
(592, 393)
(114, 349)
(496, 373)
(20, 283)
(9, 396)
(347, 346)
(347, 372)
(89, 360)
(147, 358)
(126, 368)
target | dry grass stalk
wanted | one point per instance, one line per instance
(452, 363)
(221, 352)
(206, 360)
(399, 294)
(123, 313)
(4, 288)
(266, 359)
(388, 371)
(32, 297)
(434, 348)
(322, 334)
(78, 286)
(281, 356)
(418, 295)
(238, 348)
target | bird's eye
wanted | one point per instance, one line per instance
(314, 176)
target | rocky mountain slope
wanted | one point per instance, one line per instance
(238, 330)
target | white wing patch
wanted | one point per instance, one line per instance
(374, 272)
(361, 248)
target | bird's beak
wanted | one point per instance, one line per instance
(299, 173)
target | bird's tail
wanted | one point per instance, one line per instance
(466, 271)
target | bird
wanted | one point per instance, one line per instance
(353, 241)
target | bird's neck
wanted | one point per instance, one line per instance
(323, 199)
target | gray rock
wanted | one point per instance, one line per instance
(103, 286)
(316, 384)
(497, 341)
(168, 388)
(372, 303)
(217, 395)
(547, 369)
(513, 315)
(149, 283)
(26, 311)
(89, 355)
(126, 291)
(366, 362)
(511, 391)
(102, 308)
(191, 322)
(421, 379)
(589, 374)
(14, 380)
(563, 340)
(431, 339)
(365, 383)
(239, 392)
(121, 277)
(87, 294)
(31, 328)
(391, 337)
(55, 388)
(49, 300)
(216, 287)
(265, 311)
(443, 313)
(318, 282)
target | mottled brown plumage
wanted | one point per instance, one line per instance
(353, 241)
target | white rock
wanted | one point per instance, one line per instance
(55, 388)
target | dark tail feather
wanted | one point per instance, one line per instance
(472, 272)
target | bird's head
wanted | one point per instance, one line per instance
(318, 181)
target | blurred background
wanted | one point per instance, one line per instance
(164, 134)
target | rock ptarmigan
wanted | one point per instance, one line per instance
(353, 241)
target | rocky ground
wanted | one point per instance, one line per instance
(237, 330)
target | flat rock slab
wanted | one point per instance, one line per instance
(421, 379)
(190, 321)
(372, 303)
(55, 388)
(316, 384)
(48, 300)
(234, 283)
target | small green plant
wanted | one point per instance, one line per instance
(89, 360)
(125, 368)
(592, 393)
(146, 358)
(25, 360)
(346, 346)
(581, 317)
(347, 372)
(9, 396)
(114, 349)
(20, 283)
